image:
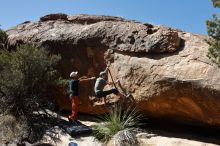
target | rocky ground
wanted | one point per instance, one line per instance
(64, 139)
(169, 134)
(155, 132)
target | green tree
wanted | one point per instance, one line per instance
(26, 77)
(216, 3)
(3, 38)
(213, 30)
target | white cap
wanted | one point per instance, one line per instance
(73, 74)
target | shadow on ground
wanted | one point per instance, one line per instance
(171, 128)
(164, 127)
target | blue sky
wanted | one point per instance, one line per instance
(187, 15)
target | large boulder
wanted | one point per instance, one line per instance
(166, 70)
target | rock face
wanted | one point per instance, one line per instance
(166, 70)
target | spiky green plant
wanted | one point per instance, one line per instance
(119, 125)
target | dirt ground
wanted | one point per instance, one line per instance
(156, 134)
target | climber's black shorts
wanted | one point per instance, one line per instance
(100, 94)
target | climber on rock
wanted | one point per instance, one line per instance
(74, 94)
(101, 82)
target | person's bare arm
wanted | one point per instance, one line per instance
(106, 69)
(111, 83)
(86, 79)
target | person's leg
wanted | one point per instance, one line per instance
(101, 95)
(74, 104)
(108, 92)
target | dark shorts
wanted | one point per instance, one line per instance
(100, 94)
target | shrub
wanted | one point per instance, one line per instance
(213, 30)
(26, 77)
(213, 27)
(3, 36)
(118, 126)
(11, 130)
(216, 3)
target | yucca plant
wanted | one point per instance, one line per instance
(119, 126)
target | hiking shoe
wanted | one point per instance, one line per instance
(70, 120)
